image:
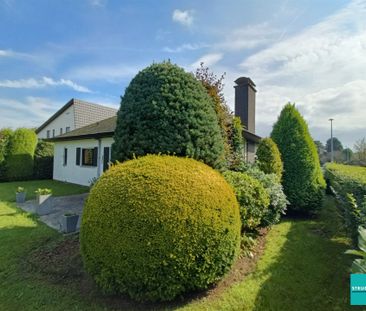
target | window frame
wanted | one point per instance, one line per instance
(65, 157)
(93, 157)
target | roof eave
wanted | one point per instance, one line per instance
(80, 137)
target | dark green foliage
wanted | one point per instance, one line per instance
(269, 158)
(19, 159)
(252, 197)
(278, 201)
(5, 135)
(349, 184)
(337, 145)
(214, 87)
(159, 226)
(237, 142)
(166, 110)
(43, 160)
(302, 180)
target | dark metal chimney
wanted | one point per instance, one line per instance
(245, 102)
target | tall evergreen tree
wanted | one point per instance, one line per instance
(167, 110)
(302, 180)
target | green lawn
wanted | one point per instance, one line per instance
(7, 190)
(303, 267)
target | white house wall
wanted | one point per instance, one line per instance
(78, 174)
(65, 119)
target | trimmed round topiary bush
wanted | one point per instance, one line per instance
(19, 158)
(167, 110)
(302, 179)
(252, 197)
(269, 158)
(159, 226)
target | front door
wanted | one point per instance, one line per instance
(106, 158)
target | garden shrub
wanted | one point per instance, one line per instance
(43, 160)
(252, 197)
(278, 200)
(5, 135)
(167, 110)
(20, 157)
(236, 161)
(302, 179)
(349, 184)
(347, 179)
(269, 158)
(159, 226)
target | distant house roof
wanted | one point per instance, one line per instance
(84, 113)
(251, 136)
(103, 128)
(106, 128)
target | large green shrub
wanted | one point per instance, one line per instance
(252, 197)
(19, 159)
(302, 179)
(278, 201)
(43, 160)
(236, 161)
(269, 157)
(166, 110)
(159, 226)
(5, 135)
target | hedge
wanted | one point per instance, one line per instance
(43, 160)
(349, 184)
(159, 226)
(5, 135)
(167, 110)
(20, 157)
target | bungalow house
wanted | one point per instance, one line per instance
(74, 114)
(82, 154)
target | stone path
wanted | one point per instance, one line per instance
(60, 206)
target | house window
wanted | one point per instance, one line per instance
(78, 155)
(67, 129)
(53, 133)
(65, 156)
(89, 156)
(48, 134)
(61, 131)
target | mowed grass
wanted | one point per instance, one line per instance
(7, 190)
(303, 268)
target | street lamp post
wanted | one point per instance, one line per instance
(331, 140)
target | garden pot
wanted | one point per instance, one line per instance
(69, 223)
(20, 197)
(43, 206)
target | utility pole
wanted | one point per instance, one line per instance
(331, 140)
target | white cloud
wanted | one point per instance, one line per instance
(322, 69)
(250, 37)
(184, 47)
(30, 112)
(208, 60)
(111, 73)
(42, 83)
(184, 18)
(98, 3)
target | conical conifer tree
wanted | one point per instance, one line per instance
(302, 180)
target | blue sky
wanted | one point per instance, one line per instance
(309, 52)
